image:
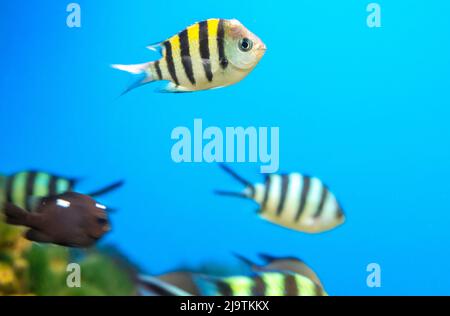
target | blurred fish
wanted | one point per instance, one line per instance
(293, 200)
(291, 264)
(264, 283)
(70, 219)
(171, 284)
(21, 188)
(210, 54)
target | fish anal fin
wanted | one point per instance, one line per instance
(173, 88)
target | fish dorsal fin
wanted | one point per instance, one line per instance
(182, 280)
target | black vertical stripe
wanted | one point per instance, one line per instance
(339, 212)
(223, 61)
(318, 291)
(303, 197)
(186, 55)
(52, 185)
(259, 287)
(283, 193)
(72, 183)
(252, 191)
(158, 69)
(29, 188)
(204, 49)
(224, 288)
(266, 193)
(170, 63)
(290, 285)
(9, 188)
(323, 198)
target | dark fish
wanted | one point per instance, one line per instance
(70, 219)
(23, 187)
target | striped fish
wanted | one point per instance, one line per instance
(293, 200)
(267, 283)
(287, 264)
(25, 188)
(208, 54)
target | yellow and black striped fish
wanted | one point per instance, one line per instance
(266, 283)
(273, 283)
(22, 188)
(293, 200)
(209, 54)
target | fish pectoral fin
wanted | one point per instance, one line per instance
(173, 88)
(37, 236)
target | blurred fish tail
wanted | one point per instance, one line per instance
(142, 72)
(232, 194)
(249, 187)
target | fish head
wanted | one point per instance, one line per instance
(98, 223)
(243, 48)
(84, 211)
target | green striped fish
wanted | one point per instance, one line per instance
(20, 188)
(294, 201)
(25, 188)
(209, 54)
(266, 283)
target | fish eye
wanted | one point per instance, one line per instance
(102, 221)
(245, 44)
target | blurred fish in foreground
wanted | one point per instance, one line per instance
(70, 219)
(264, 283)
(292, 200)
(291, 264)
(32, 269)
(21, 188)
(210, 54)
(284, 276)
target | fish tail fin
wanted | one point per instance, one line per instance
(107, 189)
(235, 175)
(16, 215)
(152, 286)
(142, 72)
(232, 194)
(247, 193)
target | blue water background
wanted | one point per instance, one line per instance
(366, 110)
